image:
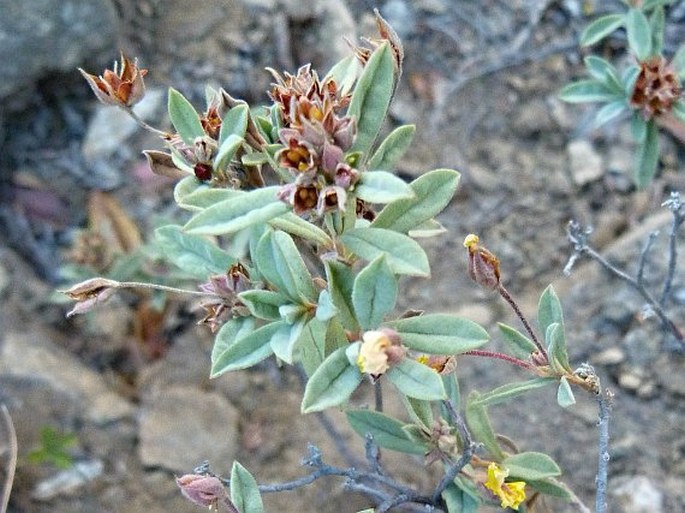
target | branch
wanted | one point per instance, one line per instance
(464, 459)
(578, 236)
(12, 463)
(604, 402)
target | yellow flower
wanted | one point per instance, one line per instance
(511, 494)
(373, 358)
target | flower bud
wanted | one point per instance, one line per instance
(207, 491)
(483, 265)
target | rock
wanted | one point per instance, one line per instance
(31, 355)
(584, 161)
(635, 494)
(68, 481)
(38, 37)
(182, 426)
(110, 127)
(610, 356)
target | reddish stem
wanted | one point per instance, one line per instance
(509, 299)
(501, 356)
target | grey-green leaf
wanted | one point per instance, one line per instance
(432, 193)
(281, 264)
(479, 423)
(678, 61)
(639, 33)
(565, 397)
(609, 112)
(600, 28)
(331, 384)
(404, 255)
(381, 187)
(647, 156)
(340, 284)
(531, 465)
(263, 304)
(238, 213)
(295, 225)
(371, 97)
(419, 410)
(556, 348)
(589, 90)
(184, 117)
(393, 147)
(440, 334)
(195, 255)
(417, 380)
(520, 345)
(229, 333)
(246, 351)
(234, 122)
(386, 431)
(374, 293)
(507, 392)
(244, 490)
(227, 151)
(549, 309)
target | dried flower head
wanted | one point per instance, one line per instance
(123, 86)
(483, 265)
(657, 87)
(225, 302)
(90, 293)
(510, 494)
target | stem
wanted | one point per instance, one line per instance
(676, 208)
(378, 395)
(514, 305)
(464, 459)
(603, 400)
(12, 464)
(143, 124)
(155, 286)
(500, 356)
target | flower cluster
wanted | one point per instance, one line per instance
(656, 89)
(511, 494)
(316, 136)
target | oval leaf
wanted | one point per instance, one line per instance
(588, 91)
(184, 117)
(280, 262)
(393, 147)
(386, 431)
(479, 423)
(263, 304)
(244, 490)
(195, 255)
(246, 351)
(440, 334)
(417, 380)
(381, 187)
(237, 213)
(565, 397)
(340, 284)
(639, 33)
(231, 331)
(519, 344)
(331, 384)
(531, 465)
(647, 156)
(227, 152)
(234, 122)
(549, 309)
(600, 28)
(403, 254)
(432, 193)
(371, 97)
(295, 225)
(556, 348)
(510, 390)
(374, 293)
